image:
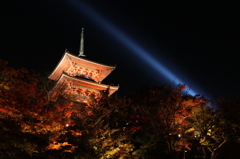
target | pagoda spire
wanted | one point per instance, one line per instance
(81, 49)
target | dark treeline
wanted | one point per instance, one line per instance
(154, 122)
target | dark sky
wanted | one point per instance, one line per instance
(198, 42)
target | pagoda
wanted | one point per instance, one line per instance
(79, 79)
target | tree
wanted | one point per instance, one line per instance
(20, 103)
(100, 125)
(28, 120)
(161, 112)
(215, 125)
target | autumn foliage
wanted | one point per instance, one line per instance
(25, 112)
(153, 122)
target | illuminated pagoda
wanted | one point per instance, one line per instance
(78, 78)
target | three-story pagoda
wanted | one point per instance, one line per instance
(78, 78)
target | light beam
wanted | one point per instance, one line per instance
(99, 20)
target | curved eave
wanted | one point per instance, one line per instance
(64, 64)
(87, 84)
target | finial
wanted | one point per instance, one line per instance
(66, 50)
(81, 49)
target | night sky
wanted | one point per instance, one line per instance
(198, 42)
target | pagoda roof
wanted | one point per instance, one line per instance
(84, 83)
(68, 59)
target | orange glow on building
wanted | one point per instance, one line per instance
(78, 78)
(79, 89)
